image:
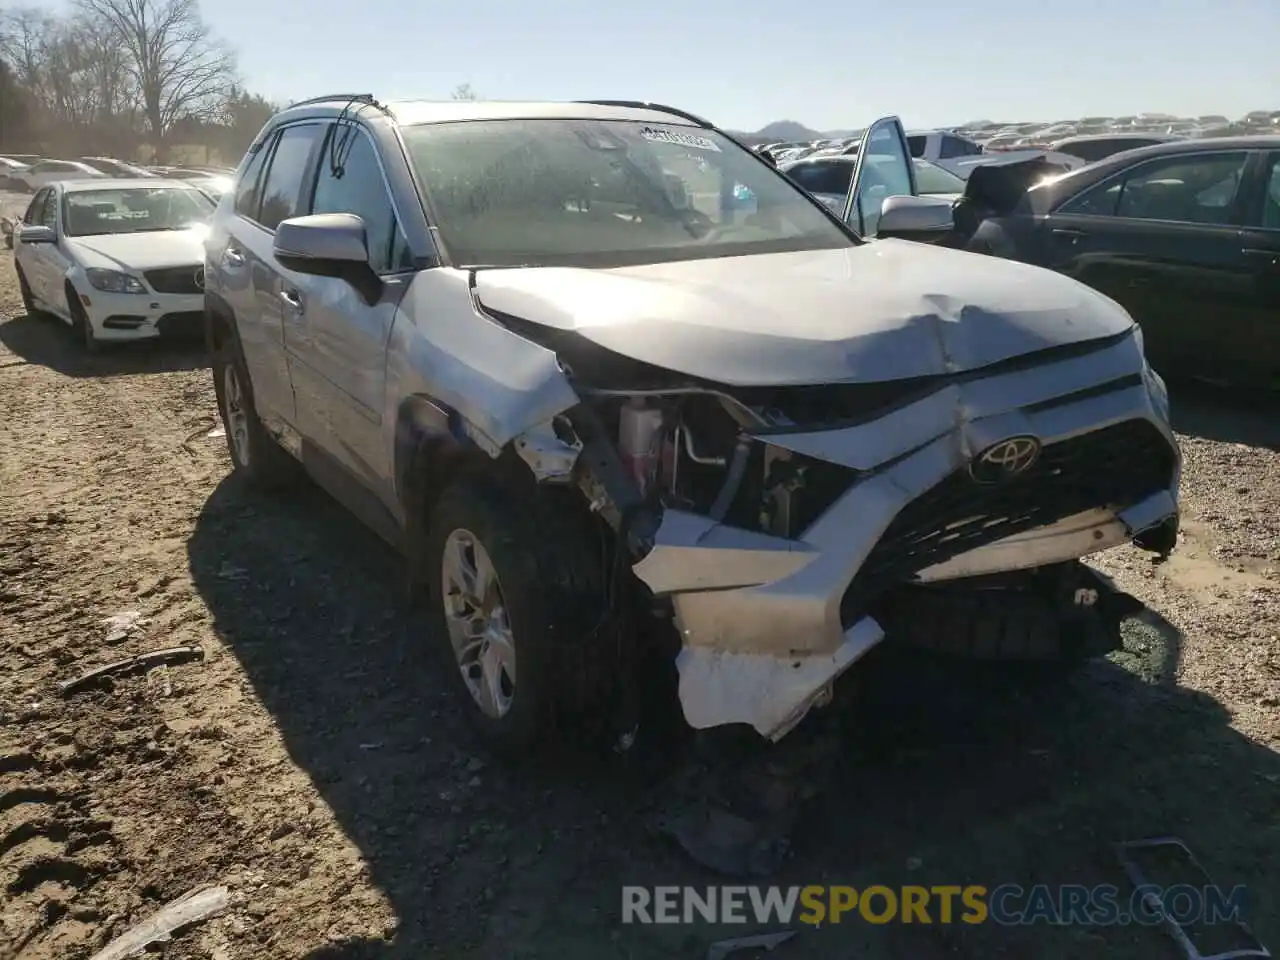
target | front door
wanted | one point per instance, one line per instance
(1261, 250)
(883, 170)
(347, 336)
(35, 258)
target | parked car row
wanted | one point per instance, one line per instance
(1184, 233)
(29, 173)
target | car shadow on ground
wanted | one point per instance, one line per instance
(48, 342)
(1226, 414)
(937, 782)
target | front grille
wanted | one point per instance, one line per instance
(175, 279)
(1116, 466)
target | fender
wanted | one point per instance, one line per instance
(426, 430)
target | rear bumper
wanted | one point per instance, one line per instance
(768, 623)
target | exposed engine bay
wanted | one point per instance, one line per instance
(785, 530)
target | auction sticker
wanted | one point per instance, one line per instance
(659, 135)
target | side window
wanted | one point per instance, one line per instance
(36, 208)
(1271, 199)
(885, 172)
(917, 143)
(247, 186)
(1100, 200)
(361, 190)
(1192, 190)
(49, 215)
(282, 186)
(952, 147)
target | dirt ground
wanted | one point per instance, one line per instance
(313, 763)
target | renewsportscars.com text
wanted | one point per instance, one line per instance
(1007, 904)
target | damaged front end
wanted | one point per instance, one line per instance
(787, 530)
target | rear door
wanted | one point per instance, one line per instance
(344, 363)
(883, 169)
(1261, 250)
(268, 315)
(1163, 239)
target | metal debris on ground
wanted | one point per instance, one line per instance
(761, 941)
(729, 843)
(190, 908)
(120, 625)
(1128, 853)
(138, 662)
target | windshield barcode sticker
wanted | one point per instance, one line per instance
(658, 135)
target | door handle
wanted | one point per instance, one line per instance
(232, 257)
(1071, 233)
(292, 300)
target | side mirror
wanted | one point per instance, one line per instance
(36, 233)
(328, 245)
(923, 219)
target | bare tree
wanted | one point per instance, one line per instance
(178, 69)
(73, 75)
(463, 91)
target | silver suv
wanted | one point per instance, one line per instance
(618, 388)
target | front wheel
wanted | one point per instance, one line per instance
(515, 591)
(254, 453)
(82, 325)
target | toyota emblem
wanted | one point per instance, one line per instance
(1005, 460)
(199, 278)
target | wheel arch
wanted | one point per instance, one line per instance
(219, 322)
(431, 448)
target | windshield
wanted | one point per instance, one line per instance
(87, 213)
(592, 193)
(931, 179)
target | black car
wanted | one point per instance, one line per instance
(1099, 146)
(1185, 235)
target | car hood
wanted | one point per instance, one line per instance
(141, 251)
(885, 310)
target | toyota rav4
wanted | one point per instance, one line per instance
(614, 384)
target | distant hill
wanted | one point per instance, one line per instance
(786, 130)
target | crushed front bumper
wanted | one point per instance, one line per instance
(768, 623)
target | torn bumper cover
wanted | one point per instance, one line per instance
(769, 623)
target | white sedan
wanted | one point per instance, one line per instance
(45, 172)
(116, 259)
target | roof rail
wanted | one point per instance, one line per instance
(660, 107)
(361, 97)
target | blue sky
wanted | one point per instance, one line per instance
(826, 63)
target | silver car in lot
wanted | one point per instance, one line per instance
(619, 389)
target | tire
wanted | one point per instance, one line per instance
(254, 453)
(80, 323)
(547, 579)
